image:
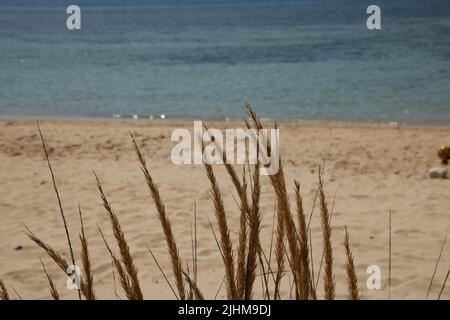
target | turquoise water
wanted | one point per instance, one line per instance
(203, 59)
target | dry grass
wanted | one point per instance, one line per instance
(436, 266)
(196, 293)
(88, 273)
(292, 241)
(3, 291)
(242, 279)
(254, 245)
(225, 240)
(352, 280)
(286, 218)
(242, 243)
(443, 284)
(329, 284)
(305, 272)
(123, 277)
(163, 273)
(52, 253)
(127, 259)
(63, 217)
(53, 291)
(165, 224)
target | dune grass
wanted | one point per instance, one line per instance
(292, 241)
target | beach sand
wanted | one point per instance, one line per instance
(370, 169)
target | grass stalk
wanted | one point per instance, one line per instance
(329, 283)
(63, 217)
(305, 273)
(352, 279)
(436, 266)
(165, 224)
(53, 291)
(88, 273)
(124, 249)
(225, 240)
(3, 292)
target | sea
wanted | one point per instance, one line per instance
(203, 59)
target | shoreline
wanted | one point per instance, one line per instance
(233, 122)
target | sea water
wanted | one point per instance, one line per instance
(196, 59)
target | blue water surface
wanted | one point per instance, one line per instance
(305, 59)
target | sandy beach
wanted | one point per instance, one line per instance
(370, 169)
